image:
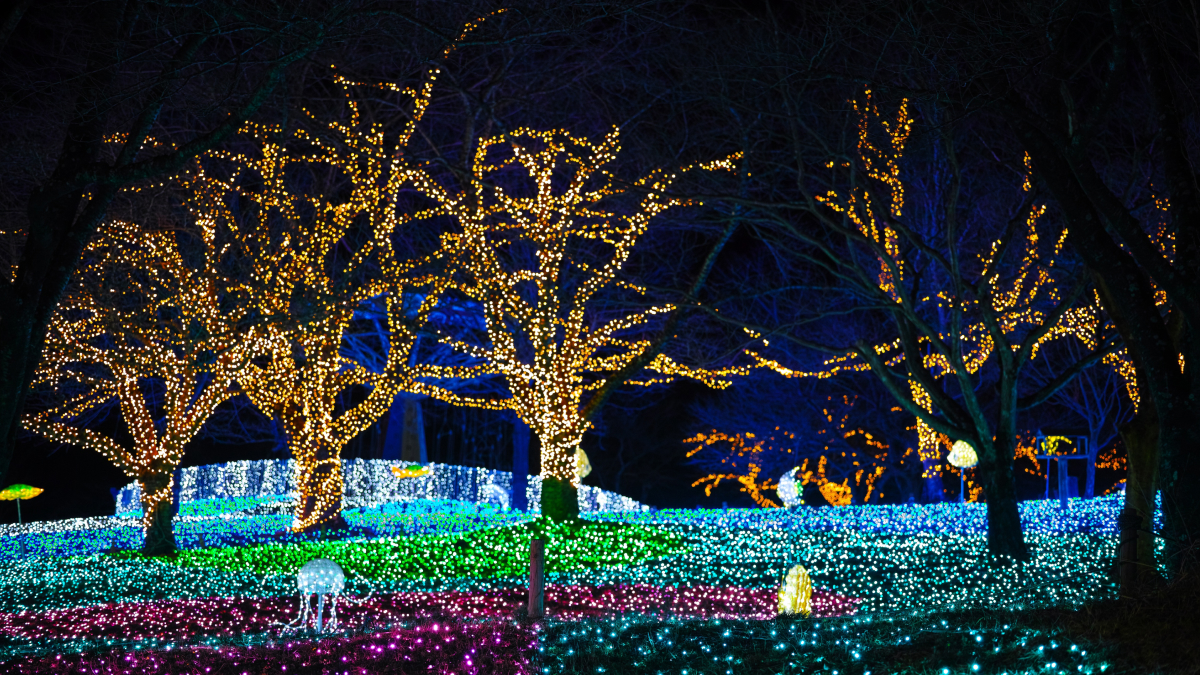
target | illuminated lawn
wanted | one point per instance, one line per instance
(483, 554)
(662, 591)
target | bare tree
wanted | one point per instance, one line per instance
(962, 329)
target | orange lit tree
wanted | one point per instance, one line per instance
(145, 323)
(542, 233)
(825, 442)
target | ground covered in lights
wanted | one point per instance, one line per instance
(437, 587)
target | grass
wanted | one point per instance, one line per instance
(1154, 634)
(491, 553)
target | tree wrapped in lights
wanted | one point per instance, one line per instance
(333, 256)
(537, 254)
(952, 317)
(147, 323)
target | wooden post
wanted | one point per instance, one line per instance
(537, 559)
(1062, 483)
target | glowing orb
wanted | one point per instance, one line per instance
(795, 595)
(962, 455)
(788, 491)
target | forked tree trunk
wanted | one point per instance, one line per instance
(158, 512)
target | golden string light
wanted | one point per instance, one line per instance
(562, 221)
(137, 312)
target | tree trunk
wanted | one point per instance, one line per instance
(413, 447)
(394, 432)
(157, 514)
(1178, 475)
(520, 466)
(1137, 560)
(1004, 536)
(933, 492)
(319, 484)
(1089, 490)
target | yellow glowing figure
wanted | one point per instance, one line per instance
(582, 466)
(795, 594)
(962, 455)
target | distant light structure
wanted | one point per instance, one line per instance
(788, 491)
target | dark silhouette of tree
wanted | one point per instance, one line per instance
(939, 282)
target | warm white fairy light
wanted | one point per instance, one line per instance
(569, 355)
(137, 311)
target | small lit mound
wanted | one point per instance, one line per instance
(490, 553)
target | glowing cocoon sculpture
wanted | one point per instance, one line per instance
(795, 595)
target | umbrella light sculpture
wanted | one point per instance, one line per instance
(962, 456)
(18, 492)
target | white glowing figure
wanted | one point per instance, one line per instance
(493, 493)
(319, 577)
(788, 491)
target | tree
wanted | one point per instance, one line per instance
(962, 330)
(542, 235)
(147, 321)
(1096, 98)
(117, 42)
(333, 256)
